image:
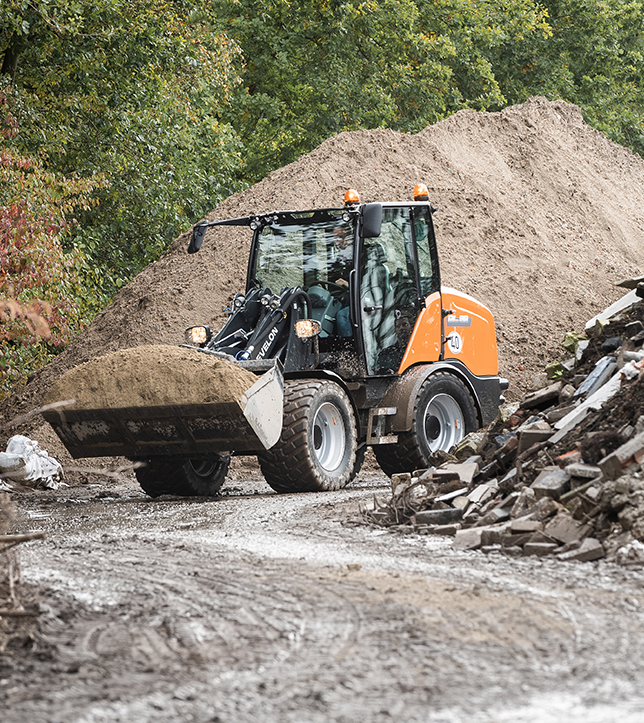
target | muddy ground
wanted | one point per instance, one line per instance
(266, 607)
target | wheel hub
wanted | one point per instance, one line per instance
(444, 424)
(329, 437)
(204, 467)
(432, 427)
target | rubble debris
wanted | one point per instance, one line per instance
(603, 371)
(551, 482)
(631, 554)
(542, 397)
(559, 475)
(613, 310)
(590, 549)
(630, 283)
(437, 517)
(631, 452)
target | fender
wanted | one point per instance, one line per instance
(402, 394)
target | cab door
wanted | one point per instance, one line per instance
(425, 344)
(391, 290)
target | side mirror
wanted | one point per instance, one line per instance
(198, 233)
(371, 220)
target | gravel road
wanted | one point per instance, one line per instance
(265, 607)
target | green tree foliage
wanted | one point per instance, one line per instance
(131, 92)
(594, 58)
(313, 68)
(41, 295)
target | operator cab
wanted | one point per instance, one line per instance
(363, 272)
(367, 270)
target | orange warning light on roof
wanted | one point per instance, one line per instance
(351, 196)
(420, 192)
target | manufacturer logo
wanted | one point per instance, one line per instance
(266, 345)
(462, 320)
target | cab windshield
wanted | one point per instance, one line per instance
(305, 250)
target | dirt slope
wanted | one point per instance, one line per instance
(538, 216)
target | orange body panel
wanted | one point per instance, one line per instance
(425, 341)
(470, 336)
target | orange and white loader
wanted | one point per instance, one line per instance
(353, 342)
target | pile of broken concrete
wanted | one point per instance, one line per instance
(559, 474)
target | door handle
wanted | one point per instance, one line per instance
(369, 309)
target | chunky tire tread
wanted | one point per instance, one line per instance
(407, 454)
(360, 455)
(177, 476)
(288, 467)
(399, 457)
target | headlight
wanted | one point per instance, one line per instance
(198, 335)
(306, 328)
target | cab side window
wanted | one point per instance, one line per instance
(426, 270)
(388, 292)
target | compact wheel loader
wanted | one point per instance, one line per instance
(345, 339)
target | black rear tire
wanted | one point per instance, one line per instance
(317, 448)
(361, 452)
(184, 477)
(444, 413)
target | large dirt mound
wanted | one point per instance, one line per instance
(538, 216)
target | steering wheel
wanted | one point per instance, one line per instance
(333, 288)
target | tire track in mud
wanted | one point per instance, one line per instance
(269, 608)
(160, 615)
(214, 616)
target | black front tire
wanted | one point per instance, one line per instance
(444, 413)
(317, 448)
(184, 477)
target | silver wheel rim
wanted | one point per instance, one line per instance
(443, 423)
(329, 437)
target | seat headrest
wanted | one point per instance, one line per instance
(376, 253)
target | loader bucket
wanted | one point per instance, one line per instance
(166, 401)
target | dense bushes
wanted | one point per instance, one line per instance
(42, 300)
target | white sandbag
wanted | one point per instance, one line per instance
(25, 462)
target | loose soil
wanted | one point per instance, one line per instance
(151, 376)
